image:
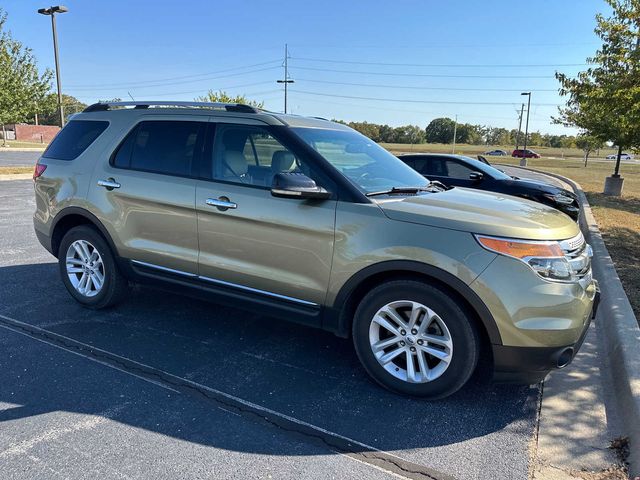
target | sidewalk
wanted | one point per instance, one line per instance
(579, 414)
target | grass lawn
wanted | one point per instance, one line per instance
(14, 170)
(13, 143)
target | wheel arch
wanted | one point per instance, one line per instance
(71, 217)
(340, 315)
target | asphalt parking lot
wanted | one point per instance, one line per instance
(19, 159)
(165, 386)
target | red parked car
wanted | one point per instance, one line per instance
(521, 153)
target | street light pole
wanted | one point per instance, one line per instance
(523, 160)
(286, 80)
(51, 11)
(519, 126)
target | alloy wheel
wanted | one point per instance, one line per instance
(85, 268)
(411, 341)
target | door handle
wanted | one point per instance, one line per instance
(109, 184)
(222, 203)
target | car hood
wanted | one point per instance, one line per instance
(530, 184)
(481, 212)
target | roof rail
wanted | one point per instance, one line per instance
(229, 107)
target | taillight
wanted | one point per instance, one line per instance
(39, 170)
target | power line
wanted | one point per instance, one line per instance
(159, 83)
(200, 91)
(418, 74)
(427, 88)
(451, 45)
(253, 84)
(416, 101)
(448, 65)
(423, 112)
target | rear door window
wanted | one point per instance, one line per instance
(74, 139)
(159, 146)
(458, 170)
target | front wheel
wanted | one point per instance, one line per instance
(414, 339)
(89, 270)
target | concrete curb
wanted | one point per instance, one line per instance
(620, 328)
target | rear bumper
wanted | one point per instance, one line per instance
(529, 365)
(44, 239)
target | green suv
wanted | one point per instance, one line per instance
(308, 220)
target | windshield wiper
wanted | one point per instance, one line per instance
(399, 190)
(433, 186)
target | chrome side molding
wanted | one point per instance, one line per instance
(226, 284)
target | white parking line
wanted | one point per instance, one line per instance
(235, 400)
(84, 356)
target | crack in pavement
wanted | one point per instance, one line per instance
(334, 441)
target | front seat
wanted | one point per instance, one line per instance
(281, 161)
(235, 167)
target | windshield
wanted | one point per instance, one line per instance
(370, 167)
(484, 168)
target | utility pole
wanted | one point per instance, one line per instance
(51, 11)
(519, 126)
(286, 80)
(523, 160)
(455, 131)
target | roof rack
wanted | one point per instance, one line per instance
(229, 107)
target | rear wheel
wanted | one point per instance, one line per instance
(414, 339)
(88, 268)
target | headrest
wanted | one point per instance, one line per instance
(282, 161)
(236, 161)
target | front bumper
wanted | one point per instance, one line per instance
(530, 365)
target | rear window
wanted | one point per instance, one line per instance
(160, 146)
(74, 139)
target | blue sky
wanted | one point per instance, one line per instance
(387, 62)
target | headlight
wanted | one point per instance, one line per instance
(545, 258)
(560, 198)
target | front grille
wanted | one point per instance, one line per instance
(578, 253)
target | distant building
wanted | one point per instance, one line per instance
(22, 132)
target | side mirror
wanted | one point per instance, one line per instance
(476, 176)
(297, 185)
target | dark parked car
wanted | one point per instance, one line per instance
(521, 153)
(496, 153)
(461, 171)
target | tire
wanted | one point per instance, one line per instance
(457, 341)
(84, 242)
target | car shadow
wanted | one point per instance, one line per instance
(305, 373)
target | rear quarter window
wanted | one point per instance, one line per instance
(74, 139)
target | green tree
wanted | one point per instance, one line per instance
(223, 97)
(440, 130)
(48, 108)
(468, 133)
(604, 100)
(386, 133)
(22, 87)
(497, 136)
(370, 130)
(588, 143)
(409, 134)
(534, 138)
